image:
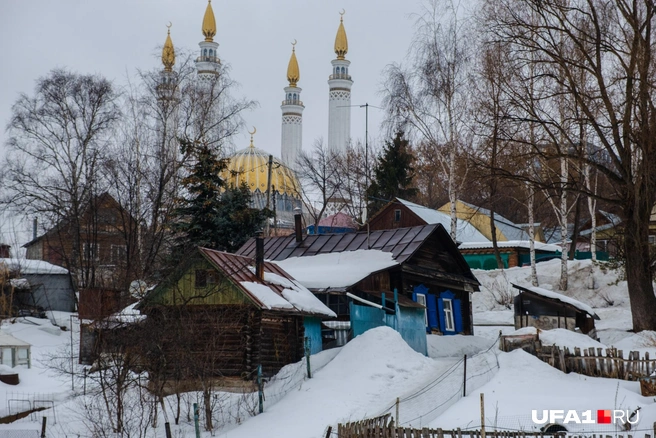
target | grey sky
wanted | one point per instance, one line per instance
(118, 37)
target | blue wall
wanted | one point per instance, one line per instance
(408, 321)
(313, 331)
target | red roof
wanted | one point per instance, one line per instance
(242, 269)
(338, 220)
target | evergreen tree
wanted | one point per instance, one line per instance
(237, 221)
(210, 214)
(393, 175)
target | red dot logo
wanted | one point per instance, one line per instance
(603, 416)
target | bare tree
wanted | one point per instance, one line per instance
(319, 176)
(429, 99)
(613, 42)
(56, 141)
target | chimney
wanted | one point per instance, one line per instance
(34, 228)
(298, 225)
(259, 256)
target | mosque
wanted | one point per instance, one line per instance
(256, 167)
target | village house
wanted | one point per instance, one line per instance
(407, 268)
(546, 310)
(106, 237)
(223, 315)
(473, 234)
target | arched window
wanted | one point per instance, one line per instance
(205, 52)
(343, 70)
(211, 52)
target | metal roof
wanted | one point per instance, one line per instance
(401, 242)
(242, 269)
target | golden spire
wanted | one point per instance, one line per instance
(252, 134)
(341, 43)
(293, 73)
(168, 52)
(209, 23)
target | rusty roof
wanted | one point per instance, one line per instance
(242, 269)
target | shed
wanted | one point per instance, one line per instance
(545, 309)
(50, 286)
(14, 352)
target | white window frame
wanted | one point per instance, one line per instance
(449, 323)
(421, 299)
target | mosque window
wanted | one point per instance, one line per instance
(211, 52)
(204, 52)
(343, 70)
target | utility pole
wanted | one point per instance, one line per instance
(268, 192)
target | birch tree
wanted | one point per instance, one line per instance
(613, 42)
(429, 98)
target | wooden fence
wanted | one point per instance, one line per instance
(383, 427)
(594, 362)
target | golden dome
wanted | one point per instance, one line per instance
(250, 165)
(341, 43)
(209, 23)
(168, 52)
(293, 73)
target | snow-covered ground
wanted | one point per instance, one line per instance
(365, 377)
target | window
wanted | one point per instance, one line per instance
(212, 277)
(119, 254)
(421, 299)
(397, 215)
(449, 325)
(90, 251)
(201, 278)
(652, 239)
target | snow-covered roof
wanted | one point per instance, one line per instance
(27, 266)
(465, 232)
(509, 229)
(128, 315)
(511, 244)
(278, 290)
(7, 340)
(560, 297)
(337, 270)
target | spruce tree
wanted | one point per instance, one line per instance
(393, 175)
(210, 214)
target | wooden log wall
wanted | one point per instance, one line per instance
(281, 341)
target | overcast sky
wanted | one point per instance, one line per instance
(115, 38)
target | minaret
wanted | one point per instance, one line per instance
(208, 63)
(292, 115)
(339, 83)
(168, 83)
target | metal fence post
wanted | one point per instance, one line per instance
(196, 420)
(464, 379)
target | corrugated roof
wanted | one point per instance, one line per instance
(401, 242)
(241, 270)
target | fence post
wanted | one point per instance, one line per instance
(259, 388)
(398, 402)
(196, 426)
(308, 343)
(43, 427)
(482, 415)
(464, 379)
